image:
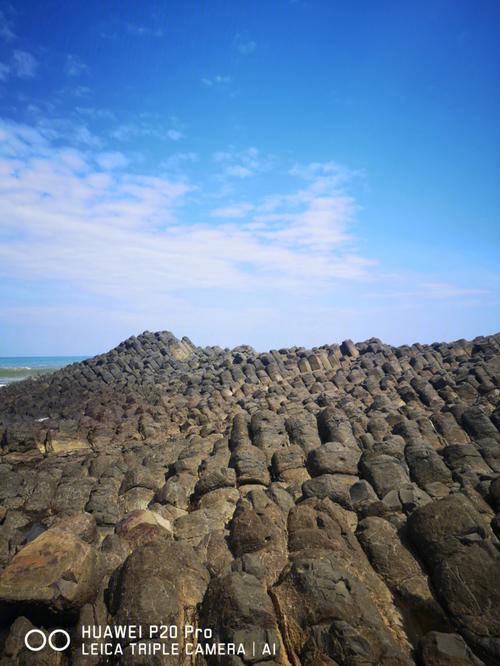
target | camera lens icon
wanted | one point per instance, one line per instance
(35, 645)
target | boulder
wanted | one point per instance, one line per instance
(478, 425)
(348, 348)
(334, 458)
(441, 649)
(457, 549)
(330, 615)
(238, 610)
(160, 582)
(251, 466)
(288, 464)
(141, 477)
(303, 431)
(403, 575)
(260, 530)
(333, 426)
(81, 525)
(177, 490)
(51, 577)
(385, 473)
(141, 526)
(426, 466)
(333, 486)
(214, 478)
(192, 527)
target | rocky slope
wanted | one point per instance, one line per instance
(339, 504)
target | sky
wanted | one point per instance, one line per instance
(267, 173)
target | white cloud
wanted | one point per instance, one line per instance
(120, 234)
(62, 129)
(411, 290)
(80, 91)
(244, 44)
(24, 64)
(146, 127)
(152, 252)
(85, 136)
(143, 30)
(238, 171)
(315, 170)
(236, 210)
(6, 32)
(74, 160)
(174, 134)
(446, 290)
(74, 66)
(241, 163)
(112, 160)
(124, 132)
(217, 80)
(178, 160)
(91, 112)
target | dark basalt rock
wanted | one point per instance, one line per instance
(330, 613)
(439, 649)
(462, 554)
(238, 609)
(51, 578)
(341, 503)
(159, 579)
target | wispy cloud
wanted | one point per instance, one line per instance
(92, 112)
(236, 210)
(331, 170)
(66, 221)
(177, 161)
(112, 160)
(219, 80)
(143, 30)
(241, 164)
(411, 290)
(80, 91)
(244, 44)
(142, 247)
(21, 64)
(62, 129)
(174, 134)
(74, 66)
(146, 127)
(24, 64)
(6, 27)
(444, 290)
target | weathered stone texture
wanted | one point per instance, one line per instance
(340, 503)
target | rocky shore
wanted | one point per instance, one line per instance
(340, 505)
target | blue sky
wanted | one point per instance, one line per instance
(269, 173)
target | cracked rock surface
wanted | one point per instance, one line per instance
(341, 503)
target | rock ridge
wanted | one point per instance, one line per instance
(340, 503)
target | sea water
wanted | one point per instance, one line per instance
(15, 368)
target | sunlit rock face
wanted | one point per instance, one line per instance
(326, 506)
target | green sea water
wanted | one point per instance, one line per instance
(16, 368)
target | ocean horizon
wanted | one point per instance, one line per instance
(17, 368)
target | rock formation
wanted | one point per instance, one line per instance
(340, 504)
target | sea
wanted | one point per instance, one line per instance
(15, 368)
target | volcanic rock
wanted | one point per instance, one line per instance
(340, 504)
(53, 576)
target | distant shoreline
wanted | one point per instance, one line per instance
(16, 368)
